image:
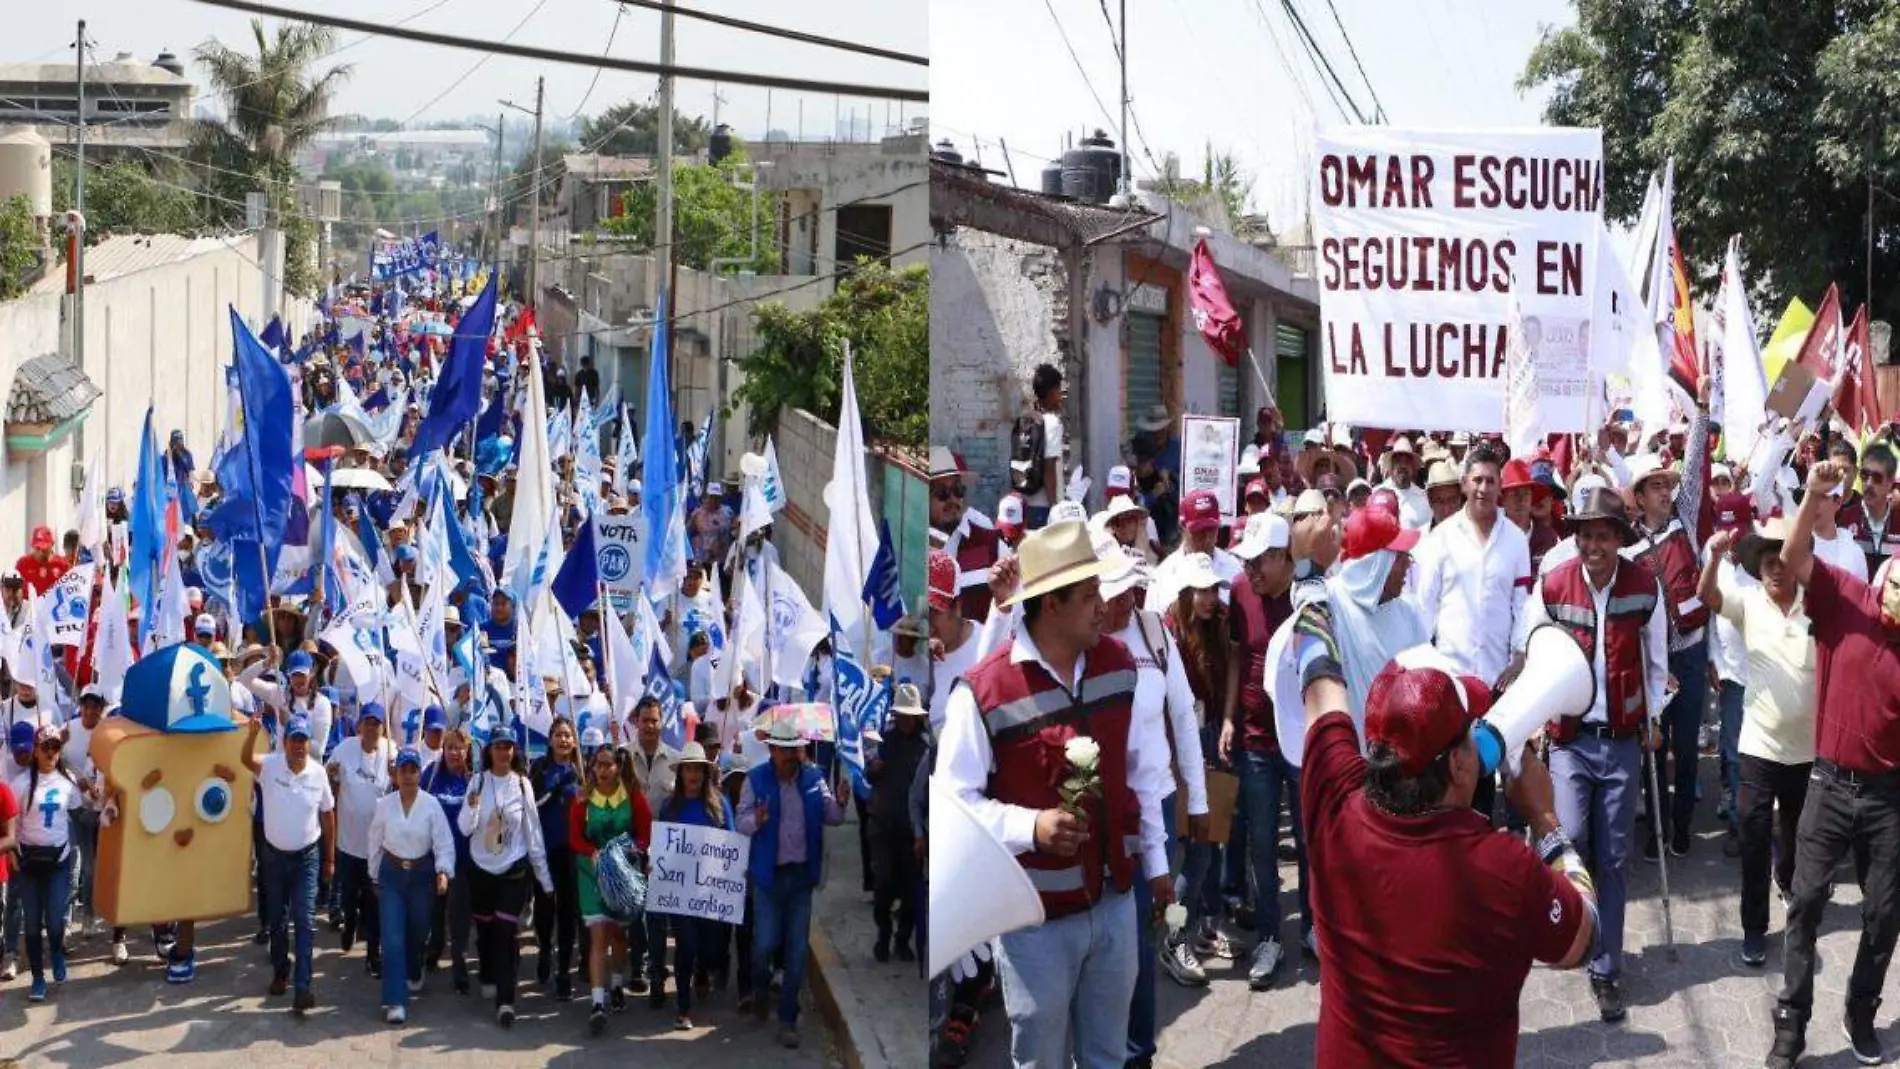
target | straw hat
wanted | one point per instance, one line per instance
(1649, 466)
(1768, 538)
(1441, 474)
(782, 733)
(908, 701)
(1059, 555)
(692, 754)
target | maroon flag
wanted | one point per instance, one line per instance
(1855, 397)
(1214, 314)
(1821, 349)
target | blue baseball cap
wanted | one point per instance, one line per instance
(405, 552)
(433, 717)
(502, 733)
(300, 661)
(115, 496)
(180, 689)
(298, 728)
(20, 735)
(178, 436)
(371, 711)
(410, 756)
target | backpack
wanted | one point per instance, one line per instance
(1026, 447)
(1154, 635)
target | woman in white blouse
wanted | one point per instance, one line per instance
(505, 846)
(411, 857)
(47, 794)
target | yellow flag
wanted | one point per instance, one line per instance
(1786, 343)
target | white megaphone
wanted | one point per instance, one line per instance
(978, 890)
(1557, 681)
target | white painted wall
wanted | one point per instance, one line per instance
(29, 327)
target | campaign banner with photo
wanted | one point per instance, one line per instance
(698, 872)
(1423, 236)
(406, 257)
(620, 551)
(1210, 458)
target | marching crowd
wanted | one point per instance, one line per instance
(511, 782)
(1305, 680)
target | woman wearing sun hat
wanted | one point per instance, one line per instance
(695, 800)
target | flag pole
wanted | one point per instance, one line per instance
(605, 673)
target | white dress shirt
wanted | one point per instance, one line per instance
(1655, 646)
(965, 760)
(1472, 589)
(1415, 508)
(1156, 692)
(1726, 647)
(412, 834)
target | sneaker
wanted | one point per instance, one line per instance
(637, 986)
(303, 1002)
(1679, 843)
(953, 1040)
(1754, 949)
(181, 972)
(95, 925)
(59, 967)
(373, 966)
(1211, 942)
(394, 1015)
(597, 1019)
(1266, 961)
(1790, 1039)
(415, 988)
(788, 1038)
(9, 971)
(1858, 1025)
(682, 1023)
(279, 984)
(1177, 957)
(38, 993)
(1609, 996)
(617, 998)
(505, 1016)
(488, 992)
(460, 974)
(1309, 945)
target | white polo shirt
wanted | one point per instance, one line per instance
(292, 802)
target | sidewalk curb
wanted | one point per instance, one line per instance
(831, 988)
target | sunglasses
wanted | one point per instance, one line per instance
(953, 492)
(1872, 475)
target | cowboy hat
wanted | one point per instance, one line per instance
(1125, 572)
(1601, 503)
(1648, 466)
(784, 733)
(1441, 474)
(1768, 538)
(1157, 419)
(1059, 555)
(692, 754)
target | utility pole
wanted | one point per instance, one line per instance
(79, 205)
(534, 208)
(663, 225)
(1123, 56)
(501, 135)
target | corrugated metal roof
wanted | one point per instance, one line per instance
(592, 168)
(130, 253)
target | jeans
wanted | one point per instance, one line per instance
(1840, 818)
(1199, 869)
(1681, 736)
(406, 896)
(290, 888)
(496, 903)
(1729, 701)
(1766, 786)
(1596, 785)
(359, 903)
(1141, 1009)
(783, 916)
(1267, 782)
(652, 928)
(1073, 976)
(557, 917)
(44, 896)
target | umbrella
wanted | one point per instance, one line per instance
(331, 428)
(356, 479)
(436, 327)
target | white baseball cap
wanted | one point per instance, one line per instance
(1265, 530)
(1197, 572)
(1125, 572)
(1250, 460)
(205, 625)
(1068, 512)
(1009, 511)
(1119, 478)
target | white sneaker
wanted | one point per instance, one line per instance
(1179, 959)
(394, 1015)
(96, 926)
(1266, 961)
(488, 992)
(1311, 943)
(10, 970)
(415, 988)
(120, 954)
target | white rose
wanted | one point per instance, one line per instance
(1175, 917)
(1082, 753)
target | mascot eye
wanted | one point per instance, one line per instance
(213, 800)
(156, 809)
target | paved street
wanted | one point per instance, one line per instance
(1707, 1010)
(129, 1017)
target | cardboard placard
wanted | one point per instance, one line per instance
(1223, 791)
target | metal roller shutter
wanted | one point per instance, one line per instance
(1141, 388)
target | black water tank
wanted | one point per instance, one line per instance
(1052, 179)
(1091, 171)
(947, 152)
(719, 146)
(168, 62)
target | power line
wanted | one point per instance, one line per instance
(619, 13)
(778, 31)
(548, 55)
(1107, 116)
(1354, 53)
(1286, 63)
(479, 63)
(1319, 58)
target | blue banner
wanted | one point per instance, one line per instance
(406, 257)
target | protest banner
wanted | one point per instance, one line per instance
(698, 872)
(620, 551)
(406, 257)
(1423, 235)
(71, 605)
(1210, 457)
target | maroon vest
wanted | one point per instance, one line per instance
(1030, 718)
(1632, 599)
(979, 548)
(1672, 558)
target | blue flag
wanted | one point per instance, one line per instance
(216, 569)
(672, 716)
(495, 417)
(273, 336)
(854, 704)
(257, 507)
(576, 585)
(660, 474)
(151, 497)
(457, 396)
(881, 587)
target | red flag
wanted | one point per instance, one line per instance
(1855, 394)
(1685, 363)
(1214, 314)
(522, 326)
(1820, 351)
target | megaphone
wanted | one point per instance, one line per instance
(978, 890)
(1557, 681)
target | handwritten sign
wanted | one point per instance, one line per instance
(698, 872)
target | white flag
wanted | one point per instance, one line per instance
(1744, 382)
(112, 644)
(91, 520)
(627, 669)
(793, 628)
(360, 650)
(774, 486)
(851, 539)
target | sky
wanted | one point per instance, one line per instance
(414, 82)
(1226, 72)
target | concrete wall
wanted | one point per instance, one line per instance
(805, 446)
(32, 490)
(818, 184)
(994, 314)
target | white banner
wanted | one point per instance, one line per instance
(620, 551)
(698, 872)
(1210, 457)
(1420, 234)
(72, 605)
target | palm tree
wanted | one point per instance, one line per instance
(276, 105)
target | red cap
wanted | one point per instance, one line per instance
(1256, 486)
(1200, 511)
(1370, 530)
(1384, 499)
(1734, 512)
(42, 537)
(1516, 475)
(1420, 712)
(943, 580)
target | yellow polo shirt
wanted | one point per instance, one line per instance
(1778, 710)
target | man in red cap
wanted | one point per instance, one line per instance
(1521, 494)
(1409, 886)
(954, 637)
(1200, 533)
(41, 567)
(1613, 607)
(969, 536)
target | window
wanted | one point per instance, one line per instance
(863, 230)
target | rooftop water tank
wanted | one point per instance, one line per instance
(1091, 171)
(947, 153)
(26, 169)
(168, 62)
(1052, 179)
(719, 146)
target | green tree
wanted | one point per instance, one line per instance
(124, 198)
(711, 212)
(1225, 188)
(277, 104)
(633, 129)
(1777, 115)
(20, 250)
(884, 314)
(530, 177)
